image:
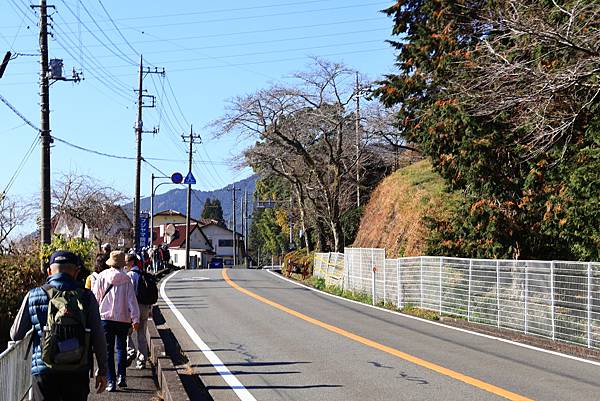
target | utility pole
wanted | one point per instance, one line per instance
(246, 228)
(46, 139)
(139, 130)
(290, 216)
(357, 127)
(233, 190)
(191, 139)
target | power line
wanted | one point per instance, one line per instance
(126, 59)
(251, 32)
(117, 28)
(239, 18)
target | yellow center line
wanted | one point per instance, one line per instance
(389, 350)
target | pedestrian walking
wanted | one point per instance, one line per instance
(99, 266)
(66, 329)
(119, 312)
(147, 294)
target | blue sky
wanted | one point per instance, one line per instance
(211, 52)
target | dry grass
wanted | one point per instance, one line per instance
(394, 217)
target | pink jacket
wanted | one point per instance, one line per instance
(119, 304)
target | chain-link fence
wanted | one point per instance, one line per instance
(554, 299)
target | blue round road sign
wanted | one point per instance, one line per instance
(176, 178)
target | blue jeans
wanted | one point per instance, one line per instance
(116, 332)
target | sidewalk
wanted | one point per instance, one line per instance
(141, 386)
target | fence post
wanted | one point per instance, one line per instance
(398, 293)
(589, 304)
(526, 296)
(373, 271)
(498, 292)
(552, 299)
(469, 291)
(440, 283)
(373, 285)
(421, 282)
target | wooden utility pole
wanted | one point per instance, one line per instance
(139, 130)
(138, 159)
(245, 227)
(191, 139)
(233, 190)
(46, 139)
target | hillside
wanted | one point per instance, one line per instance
(394, 218)
(175, 199)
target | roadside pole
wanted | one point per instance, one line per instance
(189, 180)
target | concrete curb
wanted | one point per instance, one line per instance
(166, 373)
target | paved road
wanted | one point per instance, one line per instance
(285, 342)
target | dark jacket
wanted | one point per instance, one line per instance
(34, 313)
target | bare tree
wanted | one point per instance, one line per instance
(538, 63)
(13, 213)
(95, 206)
(308, 132)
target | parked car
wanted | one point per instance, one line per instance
(216, 263)
(228, 262)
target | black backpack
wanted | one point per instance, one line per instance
(147, 290)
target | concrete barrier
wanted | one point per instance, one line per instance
(168, 379)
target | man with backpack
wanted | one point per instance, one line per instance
(146, 292)
(119, 312)
(66, 329)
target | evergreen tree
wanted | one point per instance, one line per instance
(212, 210)
(516, 201)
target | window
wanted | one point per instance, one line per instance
(175, 258)
(226, 242)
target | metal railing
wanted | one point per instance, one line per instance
(555, 299)
(15, 371)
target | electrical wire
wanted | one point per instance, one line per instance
(21, 165)
(117, 28)
(246, 33)
(122, 56)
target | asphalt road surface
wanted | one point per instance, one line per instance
(251, 335)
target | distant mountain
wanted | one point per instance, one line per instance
(176, 200)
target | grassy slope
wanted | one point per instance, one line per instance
(394, 217)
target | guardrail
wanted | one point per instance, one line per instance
(559, 300)
(15, 370)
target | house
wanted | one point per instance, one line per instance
(208, 239)
(176, 237)
(115, 228)
(170, 217)
(221, 239)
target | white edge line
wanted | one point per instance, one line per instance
(233, 382)
(504, 340)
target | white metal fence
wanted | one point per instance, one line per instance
(554, 299)
(15, 371)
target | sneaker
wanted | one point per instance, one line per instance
(140, 365)
(110, 387)
(121, 381)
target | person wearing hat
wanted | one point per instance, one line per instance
(48, 382)
(119, 312)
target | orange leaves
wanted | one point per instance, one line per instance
(446, 102)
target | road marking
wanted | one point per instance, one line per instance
(196, 279)
(404, 315)
(233, 382)
(384, 348)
